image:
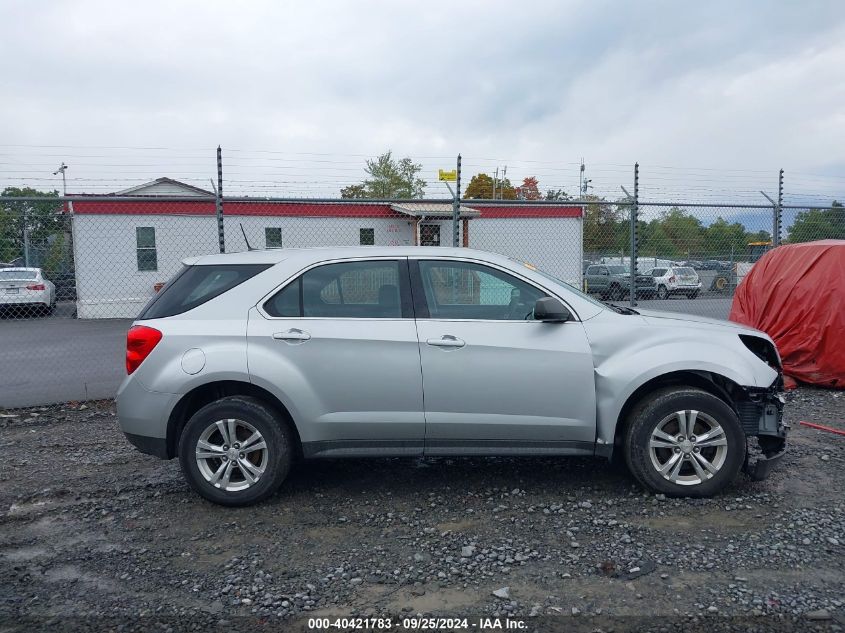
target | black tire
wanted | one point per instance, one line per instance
(657, 406)
(662, 292)
(274, 430)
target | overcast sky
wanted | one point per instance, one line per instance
(707, 96)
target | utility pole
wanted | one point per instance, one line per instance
(61, 170)
(495, 178)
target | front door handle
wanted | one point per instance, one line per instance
(447, 340)
(293, 335)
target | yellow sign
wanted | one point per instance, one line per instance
(447, 175)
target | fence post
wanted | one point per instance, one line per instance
(776, 238)
(456, 208)
(25, 235)
(634, 236)
(219, 201)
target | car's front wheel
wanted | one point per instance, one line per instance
(684, 442)
(235, 451)
(662, 292)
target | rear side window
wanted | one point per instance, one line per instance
(361, 289)
(195, 285)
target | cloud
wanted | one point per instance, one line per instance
(729, 86)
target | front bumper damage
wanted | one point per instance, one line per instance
(761, 416)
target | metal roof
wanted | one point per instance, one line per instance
(432, 210)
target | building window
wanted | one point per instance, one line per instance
(368, 237)
(429, 235)
(273, 237)
(145, 240)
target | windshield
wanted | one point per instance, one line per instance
(8, 275)
(617, 270)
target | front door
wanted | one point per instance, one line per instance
(494, 379)
(338, 346)
(429, 235)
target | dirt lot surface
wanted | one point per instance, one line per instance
(94, 535)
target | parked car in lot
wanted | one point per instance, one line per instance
(246, 362)
(613, 281)
(675, 280)
(26, 288)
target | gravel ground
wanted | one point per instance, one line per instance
(94, 535)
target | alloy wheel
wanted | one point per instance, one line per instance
(688, 447)
(231, 454)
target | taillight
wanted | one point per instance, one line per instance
(140, 341)
(36, 287)
(672, 279)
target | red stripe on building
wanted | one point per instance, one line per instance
(190, 208)
(302, 209)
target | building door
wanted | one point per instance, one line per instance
(429, 235)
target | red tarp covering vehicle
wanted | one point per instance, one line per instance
(796, 294)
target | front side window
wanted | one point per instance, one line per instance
(658, 272)
(273, 237)
(364, 290)
(145, 243)
(464, 290)
(618, 270)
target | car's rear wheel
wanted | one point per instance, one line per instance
(684, 442)
(662, 292)
(235, 451)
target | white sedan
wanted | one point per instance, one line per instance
(675, 280)
(26, 287)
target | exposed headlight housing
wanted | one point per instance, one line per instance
(762, 349)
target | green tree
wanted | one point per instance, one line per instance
(556, 194)
(603, 225)
(684, 231)
(354, 191)
(28, 221)
(388, 178)
(480, 187)
(819, 224)
(656, 242)
(722, 239)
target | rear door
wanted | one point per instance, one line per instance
(338, 345)
(495, 380)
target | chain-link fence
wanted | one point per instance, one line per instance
(77, 270)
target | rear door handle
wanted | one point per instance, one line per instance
(447, 340)
(293, 335)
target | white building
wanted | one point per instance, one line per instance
(124, 249)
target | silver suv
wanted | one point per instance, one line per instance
(246, 362)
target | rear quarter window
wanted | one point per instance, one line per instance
(194, 285)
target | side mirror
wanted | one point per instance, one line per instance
(551, 310)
